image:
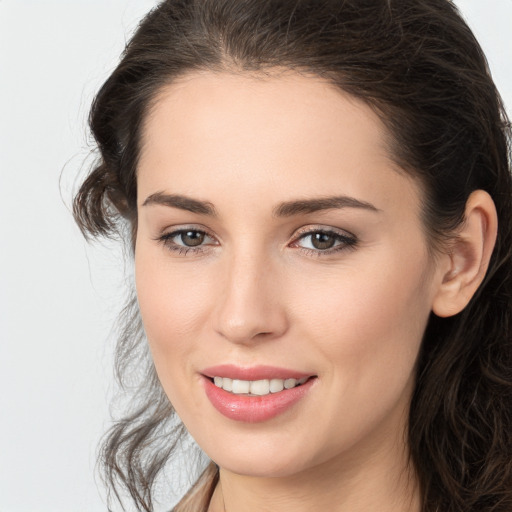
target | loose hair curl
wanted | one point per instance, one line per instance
(417, 64)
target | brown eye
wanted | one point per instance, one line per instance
(186, 240)
(192, 238)
(322, 240)
(325, 242)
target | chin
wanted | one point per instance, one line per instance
(262, 466)
(265, 456)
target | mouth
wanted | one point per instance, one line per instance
(260, 387)
(257, 393)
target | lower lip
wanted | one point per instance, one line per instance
(254, 409)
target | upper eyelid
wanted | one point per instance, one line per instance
(307, 230)
(174, 230)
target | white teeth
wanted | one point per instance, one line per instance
(276, 385)
(227, 384)
(290, 383)
(256, 387)
(241, 386)
(260, 387)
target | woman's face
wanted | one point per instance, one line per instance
(278, 245)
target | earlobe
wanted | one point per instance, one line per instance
(469, 256)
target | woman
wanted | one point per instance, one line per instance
(318, 198)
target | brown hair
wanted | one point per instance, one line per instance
(419, 66)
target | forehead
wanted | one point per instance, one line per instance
(269, 135)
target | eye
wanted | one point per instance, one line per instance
(186, 240)
(190, 238)
(322, 241)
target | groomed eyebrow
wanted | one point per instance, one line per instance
(305, 206)
(181, 202)
(286, 209)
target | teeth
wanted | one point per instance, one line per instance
(260, 387)
(256, 387)
(276, 385)
(290, 383)
(227, 384)
(240, 387)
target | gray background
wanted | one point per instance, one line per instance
(58, 296)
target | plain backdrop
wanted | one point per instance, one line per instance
(58, 296)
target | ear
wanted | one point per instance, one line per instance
(466, 263)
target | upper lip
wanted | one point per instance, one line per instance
(259, 372)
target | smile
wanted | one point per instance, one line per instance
(257, 393)
(256, 387)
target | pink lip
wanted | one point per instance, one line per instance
(254, 409)
(253, 373)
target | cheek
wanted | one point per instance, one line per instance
(364, 335)
(174, 306)
(174, 303)
(371, 323)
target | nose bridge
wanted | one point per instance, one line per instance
(249, 305)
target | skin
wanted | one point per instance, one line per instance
(256, 291)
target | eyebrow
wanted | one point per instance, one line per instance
(286, 209)
(304, 206)
(181, 202)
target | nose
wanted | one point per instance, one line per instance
(250, 308)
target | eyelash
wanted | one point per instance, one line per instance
(344, 241)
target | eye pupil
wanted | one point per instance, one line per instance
(322, 241)
(192, 238)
